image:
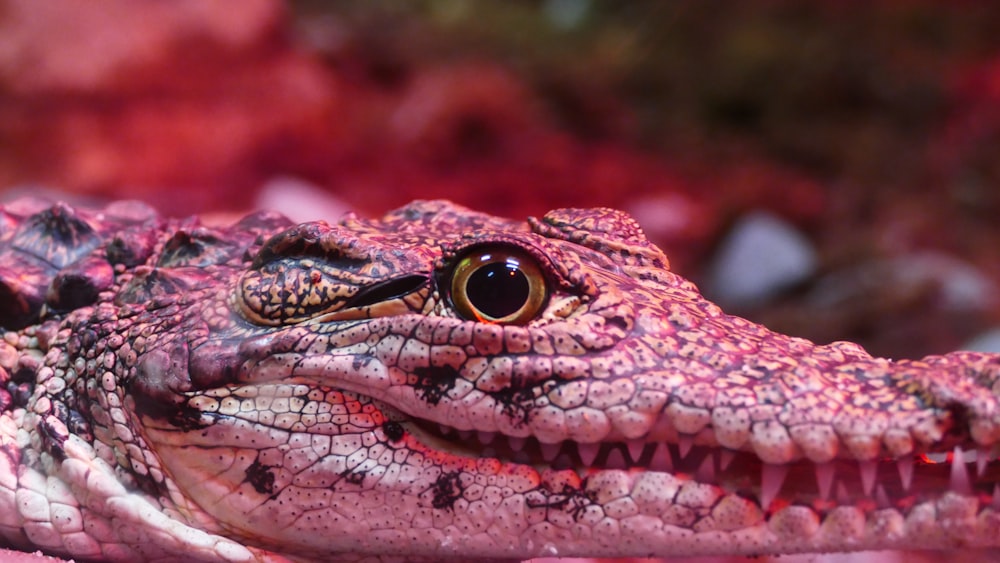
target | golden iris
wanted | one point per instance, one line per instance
(502, 285)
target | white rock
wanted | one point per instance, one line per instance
(761, 256)
(299, 200)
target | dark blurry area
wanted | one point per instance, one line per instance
(866, 135)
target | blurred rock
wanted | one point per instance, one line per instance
(761, 256)
(988, 341)
(300, 201)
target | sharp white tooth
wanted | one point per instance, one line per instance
(825, 473)
(959, 474)
(550, 451)
(587, 453)
(635, 448)
(725, 458)
(905, 467)
(616, 459)
(661, 460)
(486, 438)
(706, 471)
(982, 459)
(868, 470)
(516, 444)
(772, 476)
(684, 444)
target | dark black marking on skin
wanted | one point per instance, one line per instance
(433, 383)
(393, 431)
(519, 402)
(261, 478)
(569, 499)
(354, 476)
(447, 489)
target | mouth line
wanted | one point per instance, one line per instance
(898, 483)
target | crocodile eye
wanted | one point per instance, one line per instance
(498, 285)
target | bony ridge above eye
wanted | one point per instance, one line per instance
(498, 284)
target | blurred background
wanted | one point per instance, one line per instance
(827, 168)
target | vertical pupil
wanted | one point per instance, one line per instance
(497, 290)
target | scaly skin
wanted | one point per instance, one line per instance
(320, 392)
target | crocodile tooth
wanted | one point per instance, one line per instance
(684, 444)
(982, 459)
(905, 467)
(825, 473)
(959, 482)
(486, 438)
(706, 471)
(772, 477)
(615, 459)
(881, 498)
(635, 448)
(587, 453)
(661, 460)
(550, 451)
(725, 458)
(516, 444)
(868, 470)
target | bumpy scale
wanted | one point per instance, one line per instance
(443, 383)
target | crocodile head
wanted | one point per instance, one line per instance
(442, 382)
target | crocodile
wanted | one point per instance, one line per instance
(442, 383)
